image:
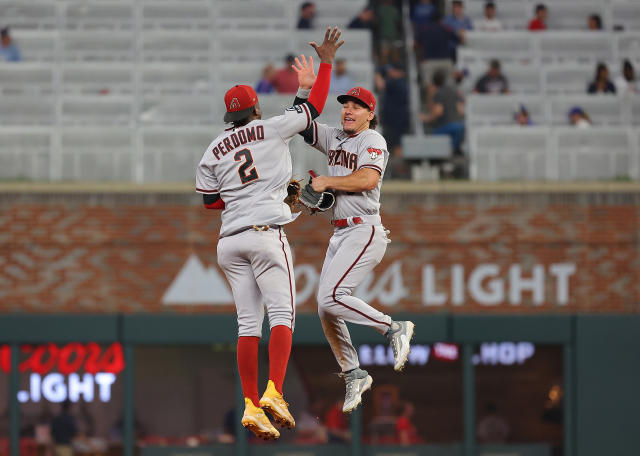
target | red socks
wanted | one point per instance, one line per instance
(248, 367)
(279, 351)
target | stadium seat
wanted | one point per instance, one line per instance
(175, 46)
(499, 109)
(97, 78)
(97, 46)
(572, 15)
(98, 15)
(180, 110)
(97, 154)
(602, 109)
(253, 14)
(263, 45)
(26, 78)
(175, 78)
(32, 14)
(625, 14)
(426, 147)
(27, 110)
(635, 110)
(567, 79)
(172, 15)
(36, 45)
(505, 46)
(172, 153)
(105, 110)
(232, 72)
(359, 48)
(628, 45)
(597, 153)
(499, 153)
(575, 46)
(25, 153)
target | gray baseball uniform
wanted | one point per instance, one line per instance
(355, 249)
(250, 167)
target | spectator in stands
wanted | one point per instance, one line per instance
(493, 81)
(406, 432)
(395, 106)
(627, 81)
(8, 49)
(366, 19)
(488, 23)
(422, 14)
(594, 22)
(445, 110)
(492, 427)
(307, 13)
(579, 119)
(389, 37)
(264, 85)
(457, 20)
(539, 22)
(341, 82)
(434, 42)
(521, 116)
(286, 79)
(601, 83)
(63, 430)
(336, 424)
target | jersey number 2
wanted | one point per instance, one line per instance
(246, 175)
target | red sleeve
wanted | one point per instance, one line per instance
(217, 205)
(320, 89)
(402, 424)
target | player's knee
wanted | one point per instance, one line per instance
(249, 330)
(324, 297)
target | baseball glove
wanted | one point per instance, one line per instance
(316, 201)
(293, 193)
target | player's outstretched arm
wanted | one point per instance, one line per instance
(326, 51)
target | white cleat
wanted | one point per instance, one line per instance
(357, 382)
(400, 335)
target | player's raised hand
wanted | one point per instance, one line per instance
(327, 50)
(306, 75)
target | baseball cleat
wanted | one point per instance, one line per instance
(257, 422)
(357, 382)
(400, 335)
(273, 402)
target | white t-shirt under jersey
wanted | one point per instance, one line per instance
(250, 167)
(347, 154)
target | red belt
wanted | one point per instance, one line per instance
(341, 223)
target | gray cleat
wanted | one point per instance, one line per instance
(357, 382)
(400, 335)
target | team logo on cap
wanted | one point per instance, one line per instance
(374, 153)
(355, 91)
(235, 104)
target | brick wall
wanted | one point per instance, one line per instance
(456, 252)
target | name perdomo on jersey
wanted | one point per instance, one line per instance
(238, 138)
(343, 158)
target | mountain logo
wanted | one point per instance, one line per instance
(197, 285)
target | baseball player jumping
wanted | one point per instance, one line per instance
(357, 156)
(245, 172)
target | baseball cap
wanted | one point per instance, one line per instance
(361, 95)
(575, 110)
(239, 100)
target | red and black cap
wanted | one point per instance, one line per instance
(360, 95)
(239, 101)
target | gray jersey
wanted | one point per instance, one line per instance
(347, 154)
(250, 167)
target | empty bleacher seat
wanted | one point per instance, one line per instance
(36, 45)
(27, 110)
(25, 152)
(519, 153)
(253, 14)
(97, 110)
(26, 78)
(172, 153)
(426, 147)
(602, 109)
(359, 45)
(597, 153)
(575, 46)
(572, 15)
(97, 78)
(506, 46)
(626, 14)
(635, 111)
(92, 45)
(175, 78)
(98, 15)
(628, 45)
(499, 109)
(182, 14)
(274, 104)
(181, 110)
(264, 45)
(97, 153)
(568, 79)
(231, 73)
(175, 46)
(525, 79)
(31, 14)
